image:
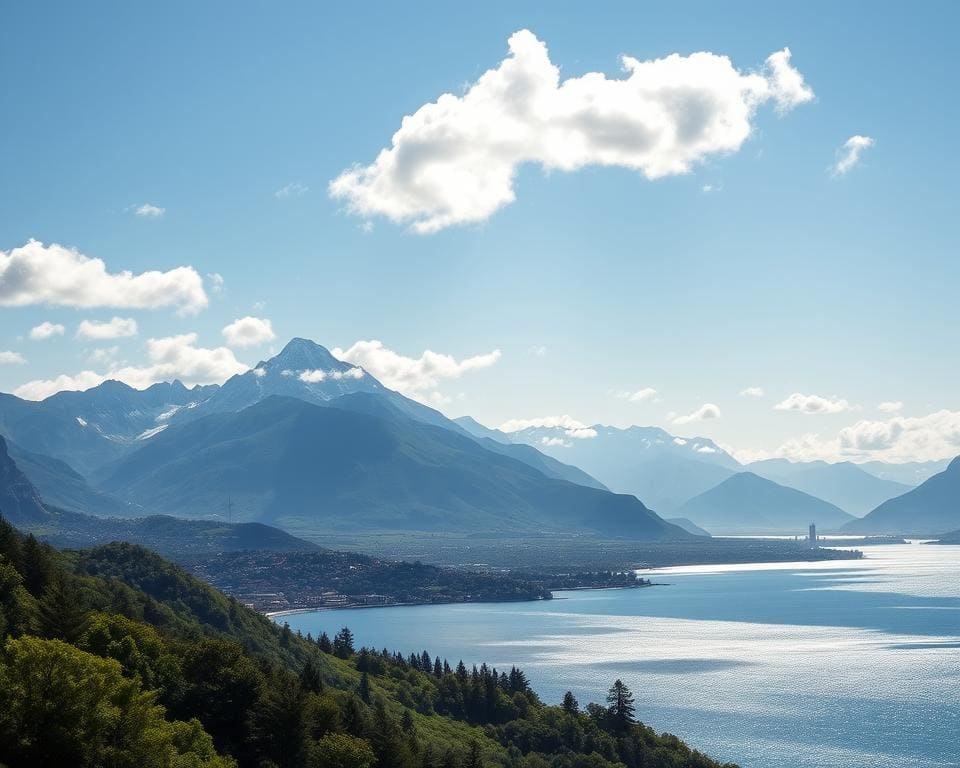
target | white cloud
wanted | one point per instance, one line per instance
(52, 274)
(554, 442)
(538, 350)
(454, 161)
(171, 357)
(293, 189)
(581, 433)
(103, 355)
(11, 358)
(115, 328)
(703, 413)
(259, 372)
(249, 332)
(148, 211)
(543, 422)
(897, 439)
(639, 395)
(216, 282)
(813, 404)
(46, 330)
(848, 156)
(752, 392)
(892, 406)
(412, 376)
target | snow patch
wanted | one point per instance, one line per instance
(146, 435)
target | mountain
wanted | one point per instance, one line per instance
(19, 500)
(688, 525)
(748, 503)
(307, 371)
(354, 467)
(660, 469)
(844, 484)
(910, 473)
(478, 430)
(60, 485)
(931, 508)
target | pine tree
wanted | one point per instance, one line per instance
(62, 613)
(570, 704)
(324, 644)
(363, 690)
(474, 757)
(343, 643)
(311, 679)
(621, 708)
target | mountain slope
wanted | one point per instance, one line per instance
(658, 468)
(311, 468)
(58, 484)
(844, 484)
(929, 509)
(688, 525)
(748, 503)
(19, 500)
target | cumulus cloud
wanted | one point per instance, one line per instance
(848, 156)
(172, 357)
(293, 189)
(11, 358)
(543, 422)
(114, 328)
(554, 442)
(148, 211)
(454, 161)
(752, 392)
(412, 376)
(249, 332)
(703, 413)
(813, 404)
(216, 282)
(891, 406)
(46, 330)
(52, 274)
(897, 439)
(639, 395)
(103, 355)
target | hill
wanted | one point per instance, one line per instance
(313, 468)
(748, 503)
(949, 538)
(688, 525)
(929, 509)
(843, 484)
(144, 666)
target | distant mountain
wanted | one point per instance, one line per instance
(660, 469)
(748, 503)
(478, 430)
(929, 509)
(688, 525)
(844, 484)
(59, 485)
(910, 473)
(360, 466)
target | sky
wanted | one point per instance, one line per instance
(736, 222)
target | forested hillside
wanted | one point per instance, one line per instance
(113, 656)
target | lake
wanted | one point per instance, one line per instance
(807, 665)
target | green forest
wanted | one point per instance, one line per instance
(116, 657)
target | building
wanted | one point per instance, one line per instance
(812, 537)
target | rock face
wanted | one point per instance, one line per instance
(748, 503)
(930, 509)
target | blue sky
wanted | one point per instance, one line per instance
(592, 283)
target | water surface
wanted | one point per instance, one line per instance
(813, 665)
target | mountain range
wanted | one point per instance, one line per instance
(930, 509)
(747, 503)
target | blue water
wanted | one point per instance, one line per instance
(823, 665)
